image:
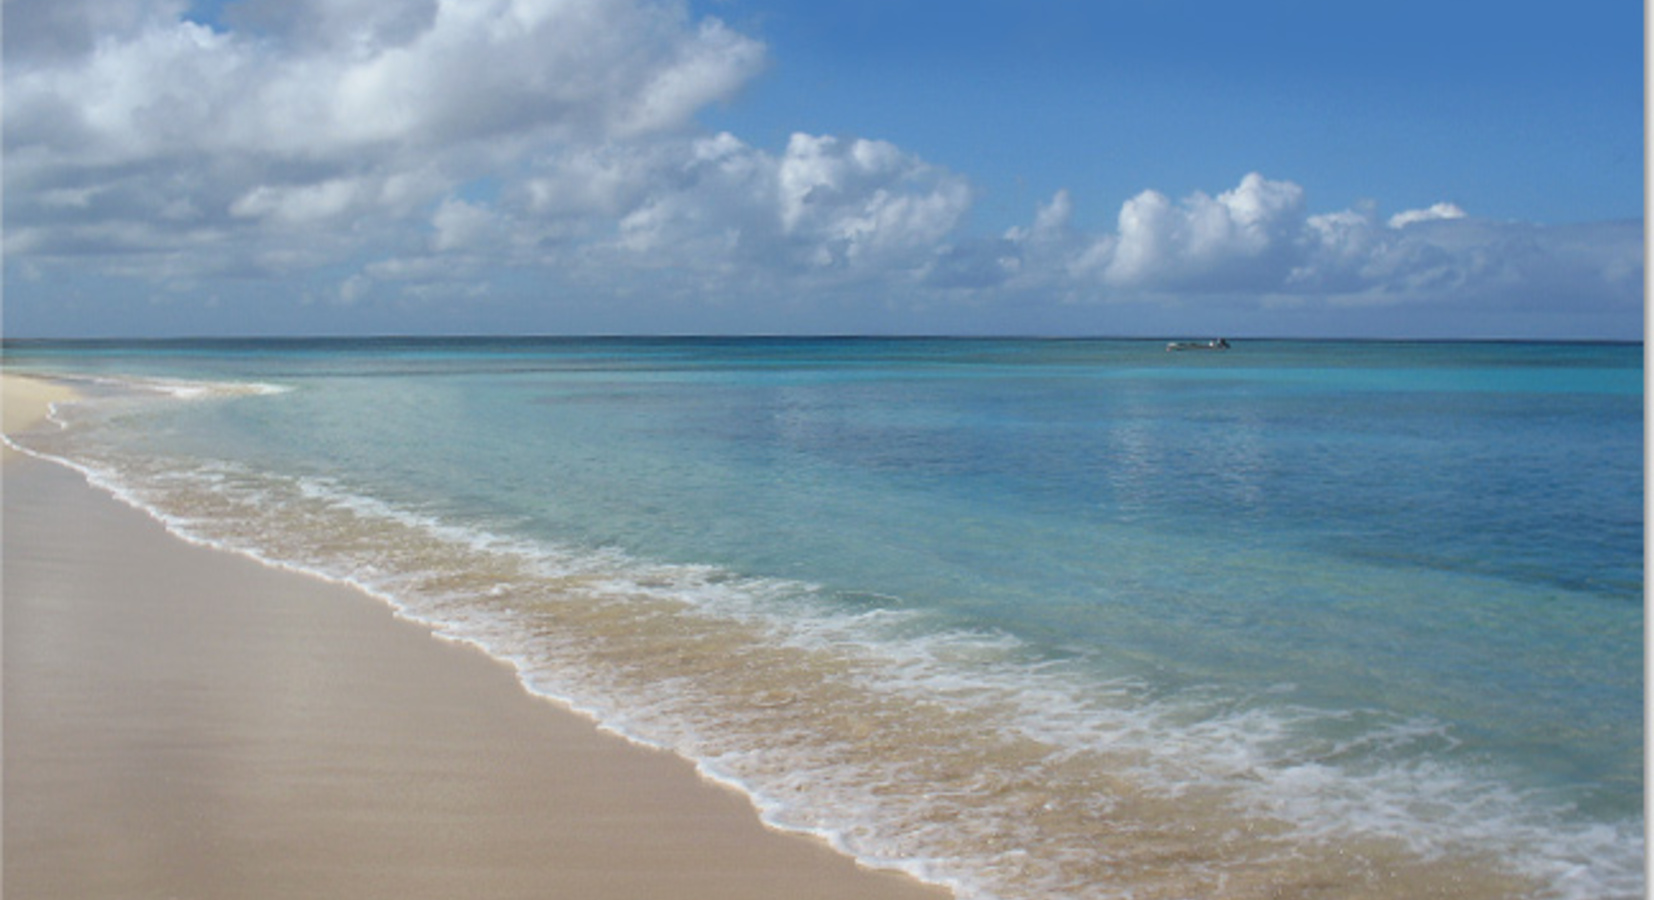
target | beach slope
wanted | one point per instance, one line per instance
(25, 403)
(185, 722)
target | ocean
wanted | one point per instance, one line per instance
(1028, 618)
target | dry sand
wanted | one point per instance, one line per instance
(184, 722)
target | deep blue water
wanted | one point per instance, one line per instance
(1367, 589)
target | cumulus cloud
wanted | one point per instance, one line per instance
(328, 111)
(1258, 240)
(460, 225)
(1238, 239)
(855, 201)
(344, 76)
(823, 211)
(1257, 245)
(429, 146)
(1434, 213)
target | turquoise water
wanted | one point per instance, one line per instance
(1029, 618)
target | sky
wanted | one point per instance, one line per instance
(1177, 168)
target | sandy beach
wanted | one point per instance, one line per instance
(25, 403)
(184, 722)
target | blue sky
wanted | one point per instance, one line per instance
(1516, 110)
(1112, 167)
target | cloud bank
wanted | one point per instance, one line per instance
(451, 152)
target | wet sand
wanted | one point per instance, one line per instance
(184, 722)
(24, 403)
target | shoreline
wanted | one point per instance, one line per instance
(25, 401)
(185, 721)
(1174, 846)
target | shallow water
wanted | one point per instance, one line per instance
(1030, 618)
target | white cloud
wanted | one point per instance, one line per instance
(346, 111)
(822, 178)
(707, 69)
(302, 204)
(1234, 240)
(464, 226)
(860, 208)
(1435, 213)
(1256, 246)
(1257, 241)
(432, 144)
(861, 201)
(1053, 218)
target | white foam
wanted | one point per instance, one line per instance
(1383, 777)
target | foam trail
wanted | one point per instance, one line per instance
(965, 756)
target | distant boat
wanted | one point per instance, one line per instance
(1219, 344)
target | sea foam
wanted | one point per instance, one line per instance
(962, 755)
